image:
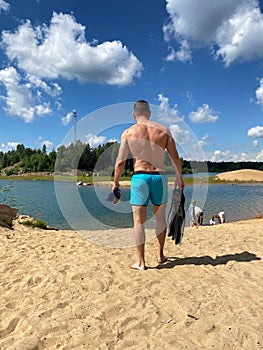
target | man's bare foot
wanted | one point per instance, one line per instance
(138, 267)
(162, 260)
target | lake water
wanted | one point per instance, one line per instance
(65, 205)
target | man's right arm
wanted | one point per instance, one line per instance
(120, 161)
(172, 151)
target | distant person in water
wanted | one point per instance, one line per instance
(147, 141)
(196, 214)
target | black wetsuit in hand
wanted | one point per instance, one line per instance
(176, 216)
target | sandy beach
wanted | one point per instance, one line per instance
(242, 175)
(61, 291)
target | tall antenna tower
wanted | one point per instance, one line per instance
(75, 125)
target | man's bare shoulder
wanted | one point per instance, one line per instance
(131, 130)
(128, 131)
(150, 128)
(160, 128)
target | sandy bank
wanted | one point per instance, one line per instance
(60, 291)
(242, 175)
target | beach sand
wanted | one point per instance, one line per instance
(61, 291)
(242, 175)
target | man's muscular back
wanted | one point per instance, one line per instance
(147, 142)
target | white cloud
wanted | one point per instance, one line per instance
(203, 142)
(189, 146)
(227, 156)
(171, 55)
(204, 114)
(180, 135)
(256, 143)
(9, 146)
(4, 5)
(61, 50)
(259, 93)
(53, 90)
(94, 140)
(224, 156)
(259, 157)
(44, 53)
(19, 100)
(43, 109)
(49, 144)
(165, 113)
(67, 119)
(256, 131)
(244, 156)
(113, 140)
(240, 36)
(183, 54)
(234, 28)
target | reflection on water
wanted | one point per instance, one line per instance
(38, 198)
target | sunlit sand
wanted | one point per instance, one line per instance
(59, 290)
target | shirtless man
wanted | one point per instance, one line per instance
(147, 142)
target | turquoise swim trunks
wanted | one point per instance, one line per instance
(146, 186)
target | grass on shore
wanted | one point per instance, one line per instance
(35, 223)
(28, 177)
(91, 180)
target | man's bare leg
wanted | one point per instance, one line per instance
(159, 212)
(139, 217)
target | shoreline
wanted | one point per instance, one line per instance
(25, 217)
(126, 183)
(244, 176)
(19, 226)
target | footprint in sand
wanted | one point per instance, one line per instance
(48, 313)
(33, 281)
(10, 328)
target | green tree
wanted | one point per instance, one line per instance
(44, 149)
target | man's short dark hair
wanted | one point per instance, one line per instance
(141, 107)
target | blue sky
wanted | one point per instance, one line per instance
(199, 63)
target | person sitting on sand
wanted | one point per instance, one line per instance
(147, 141)
(196, 214)
(220, 217)
(213, 219)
